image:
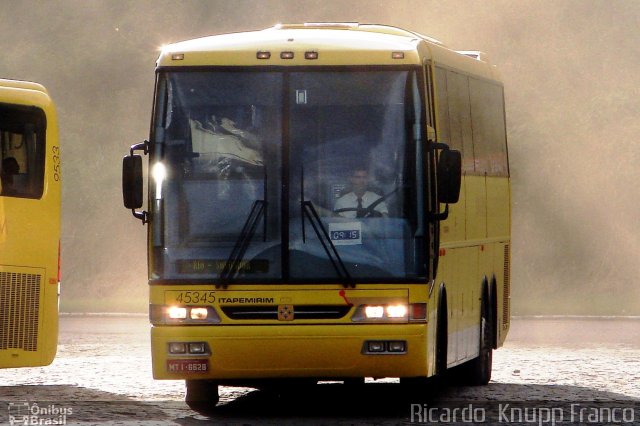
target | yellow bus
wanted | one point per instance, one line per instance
(29, 225)
(298, 213)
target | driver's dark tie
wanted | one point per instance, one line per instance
(360, 211)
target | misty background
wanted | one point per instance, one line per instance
(572, 90)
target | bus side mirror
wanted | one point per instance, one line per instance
(132, 181)
(449, 176)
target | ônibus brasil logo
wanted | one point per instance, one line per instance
(25, 413)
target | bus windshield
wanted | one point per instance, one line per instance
(273, 176)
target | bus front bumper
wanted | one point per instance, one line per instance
(290, 351)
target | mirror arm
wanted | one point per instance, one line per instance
(438, 145)
(143, 216)
(142, 146)
(441, 215)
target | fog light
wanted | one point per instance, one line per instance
(177, 348)
(177, 313)
(375, 346)
(198, 313)
(399, 346)
(197, 348)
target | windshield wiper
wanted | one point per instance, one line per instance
(332, 253)
(234, 262)
(232, 265)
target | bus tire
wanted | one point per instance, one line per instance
(202, 395)
(494, 313)
(442, 331)
(354, 382)
(480, 367)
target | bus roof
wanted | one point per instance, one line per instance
(26, 93)
(20, 84)
(322, 44)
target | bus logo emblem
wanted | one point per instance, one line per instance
(285, 312)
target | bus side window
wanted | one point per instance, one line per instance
(489, 138)
(444, 130)
(22, 150)
(460, 119)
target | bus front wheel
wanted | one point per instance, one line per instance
(202, 395)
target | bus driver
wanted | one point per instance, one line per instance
(10, 167)
(360, 202)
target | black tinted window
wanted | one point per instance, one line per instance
(22, 147)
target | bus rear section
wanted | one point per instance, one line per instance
(29, 225)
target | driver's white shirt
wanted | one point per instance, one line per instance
(350, 201)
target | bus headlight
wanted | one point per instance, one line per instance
(199, 313)
(374, 312)
(175, 312)
(396, 312)
(188, 315)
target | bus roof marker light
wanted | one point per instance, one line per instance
(286, 55)
(177, 57)
(311, 55)
(397, 55)
(263, 55)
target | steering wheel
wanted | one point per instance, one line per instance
(361, 212)
(369, 211)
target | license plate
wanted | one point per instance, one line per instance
(188, 366)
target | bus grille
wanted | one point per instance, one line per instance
(301, 312)
(506, 314)
(19, 307)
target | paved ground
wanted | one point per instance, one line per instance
(552, 370)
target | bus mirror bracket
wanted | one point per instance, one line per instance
(449, 177)
(132, 181)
